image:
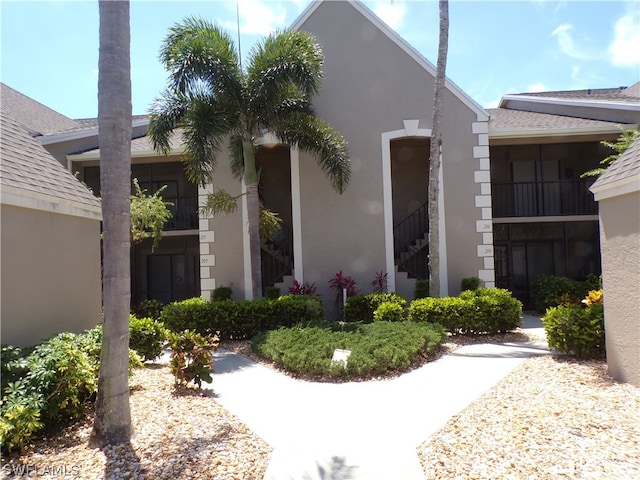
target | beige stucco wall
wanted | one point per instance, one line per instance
(50, 272)
(370, 87)
(620, 239)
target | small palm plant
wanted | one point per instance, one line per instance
(211, 99)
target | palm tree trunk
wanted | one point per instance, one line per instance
(251, 179)
(112, 421)
(434, 153)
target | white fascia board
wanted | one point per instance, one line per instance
(78, 134)
(615, 189)
(481, 113)
(95, 155)
(633, 107)
(499, 133)
(37, 201)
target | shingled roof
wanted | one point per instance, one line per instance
(29, 175)
(624, 171)
(502, 118)
(621, 94)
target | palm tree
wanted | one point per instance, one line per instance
(434, 152)
(112, 422)
(211, 98)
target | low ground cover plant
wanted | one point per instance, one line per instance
(375, 348)
(577, 329)
(481, 311)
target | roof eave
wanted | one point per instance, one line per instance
(633, 107)
(79, 134)
(506, 133)
(616, 188)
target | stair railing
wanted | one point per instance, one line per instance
(410, 256)
(277, 257)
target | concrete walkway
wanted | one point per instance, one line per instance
(360, 430)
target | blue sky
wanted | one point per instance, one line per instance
(49, 49)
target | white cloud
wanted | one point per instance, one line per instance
(625, 47)
(563, 34)
(536, 87)
(261, 17)
(392, 12)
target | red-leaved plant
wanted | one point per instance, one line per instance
(340, 282)
(379, 283)
(305, 288)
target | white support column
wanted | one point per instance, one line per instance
(296, 215)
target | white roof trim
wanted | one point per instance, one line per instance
(404, 45)
(95, 154)
(634, 107)
(19, 197)
(499, 133)
(78, 134)
(616, 188)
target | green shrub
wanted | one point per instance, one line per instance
(470, 283)
(240, 320)
(191, 314)
(550, 290)
(486, 310)
(375, 348)
(578, 330)
(48, 385)
(360, 308)
(421, 289)
(148, 309)
(271, 293)
(388, 312)
(147, 337)
(221, 293)
(192, 357)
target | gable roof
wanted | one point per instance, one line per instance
(621, 94)
(402, 43)
(30, 176)
(35, 117)
(623, 176)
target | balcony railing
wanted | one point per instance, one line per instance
(534, 199)
(184, 213)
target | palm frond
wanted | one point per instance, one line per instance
(203, 126)
(197, 52)
(237, 157)
(165, 114)
(286, 64)
(318, 137)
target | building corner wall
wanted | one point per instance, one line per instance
(620, 240)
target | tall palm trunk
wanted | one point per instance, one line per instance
(251, 179)
(434, 153)
(112, 422)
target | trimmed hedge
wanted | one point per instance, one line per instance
(485, 310)
(550, 290)
(360, 308)
(240, 320)
(375, 348)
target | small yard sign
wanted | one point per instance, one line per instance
(340, 355)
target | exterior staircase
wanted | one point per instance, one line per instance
(277, 259)
(411, 244)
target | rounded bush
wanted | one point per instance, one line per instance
(388, 312)
(360, 308)
(577, 330)
(147, 337)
